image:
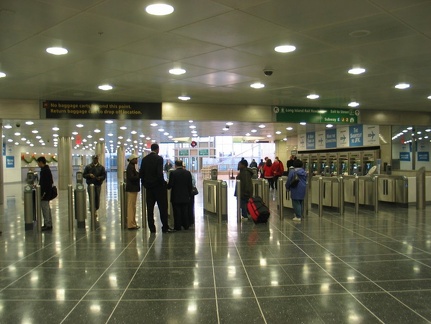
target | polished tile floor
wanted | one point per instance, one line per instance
(334, 269)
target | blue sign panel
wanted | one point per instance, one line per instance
(356, 136)
(311, 141)
(10, 161)
(4, 149)
(331, 138)
(405, 156)
(423, 156)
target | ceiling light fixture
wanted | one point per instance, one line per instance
(177, 71)
(57, 50)
(105, 87)
(353, 104)
(7, 126)
(356, 71)
(159, 9)
(289, 128)
(429, 97)
(154, 124)
(262, 126)
(303, 123)
(109, 121)
(285, 48)
(257, 85)
(313, 96)
(184, 98)
(2, 75)
(29, 122)
(402, 86)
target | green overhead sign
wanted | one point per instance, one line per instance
(315, 115)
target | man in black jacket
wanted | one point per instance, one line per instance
(45, 183)
(151, 174)
(246, 185)
(180, 183)
(95, 173)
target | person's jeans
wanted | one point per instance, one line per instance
(97, 190)
(297, 207)
(243, 206)
(46, 212)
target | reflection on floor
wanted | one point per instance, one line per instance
(334, 269)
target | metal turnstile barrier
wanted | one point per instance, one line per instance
(327, 192)
(393, 189)
(215, 197)
(37, 199)
(80, 205)
(420, 189)
(70, 206)
(123, 205)
(261, 189)
(29, 207)
(238, 200)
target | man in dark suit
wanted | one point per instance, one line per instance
(180, 183)
(151, 174)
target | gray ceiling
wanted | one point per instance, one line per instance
(224, 45)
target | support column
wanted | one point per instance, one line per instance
(1, 168)
(64, 157)
(120, 163)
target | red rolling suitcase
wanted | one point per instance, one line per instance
(257, 209)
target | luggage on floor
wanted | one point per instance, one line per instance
(257, 209)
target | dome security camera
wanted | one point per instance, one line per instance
(268, 72)
(18, 125)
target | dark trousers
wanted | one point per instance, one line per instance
(97, 190)
(276, 181)
(181, 215)
(192, 211)
(157, 195)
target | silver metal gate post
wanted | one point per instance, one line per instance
(70, 206)
(92, 208)
(28, 207)
(121, 194)
(356, 195)
(280, 197)
(320, 196)
(38, 209)
(218, 201)
(376, 194)
(144, 207)
(238, 201)
(341, 194)
(420, 189)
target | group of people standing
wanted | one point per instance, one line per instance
(150, 176)
(296, 182)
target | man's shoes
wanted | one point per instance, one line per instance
(169, 230)
(46, 228)
(152, 229)
(296, 219)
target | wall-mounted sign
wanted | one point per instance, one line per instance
(10, 161)
(203, 152)
(183, 152)
(315, 115)
(101, 110)
(405, 156)
(423, 156)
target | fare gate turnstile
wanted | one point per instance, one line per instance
(215, 198)
(261, 189)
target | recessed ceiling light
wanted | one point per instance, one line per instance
(253, 130)
(285, 48)
(289, 128)
(409, 128)
(257, 85)
(261, 126)
(55, 128)
(177, 71)
(148, 138)
(161, 130)
(353, 104)
(7, 126)
(429, 97)
(97, 130)
(105, 87)
(57, 50)
(123, 127)
(402, 86)
(34, 131)
(192, 126)
(133, 132)
(29, 122)
(356, 71)
(248, 134)
(2, 75)
(269, 135)
(154, 124)
(74, 133)
(109, 121)
(329, 126)
(79, 125)
(17, 134)
(184, 98)
(159, 9)
(313, 96)
(303, 123)
(225, 128)
(278, 132)
(229, 123)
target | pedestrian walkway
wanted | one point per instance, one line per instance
(334, 269)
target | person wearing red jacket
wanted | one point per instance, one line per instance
(268, 173)
(278, 170)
